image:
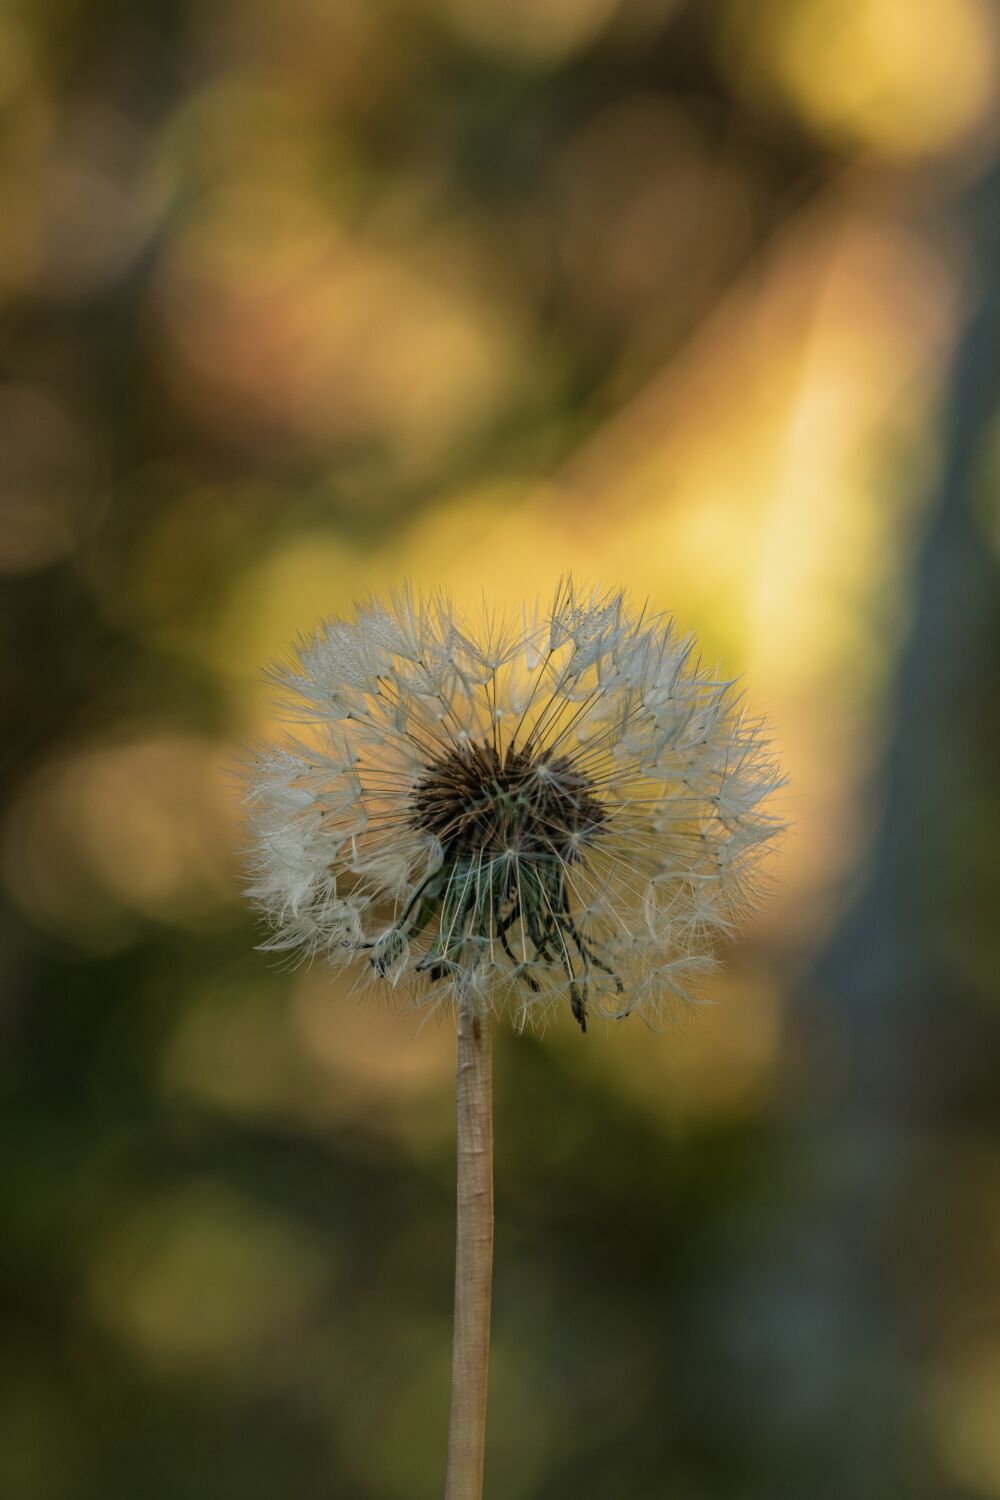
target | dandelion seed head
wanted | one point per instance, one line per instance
(558, 808)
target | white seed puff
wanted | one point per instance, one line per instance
(561, 808)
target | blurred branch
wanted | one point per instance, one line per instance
(946, 683)
(919, 1047)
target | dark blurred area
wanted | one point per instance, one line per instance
(302, 299)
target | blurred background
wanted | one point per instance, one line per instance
(302, 298)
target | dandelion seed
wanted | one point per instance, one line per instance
(561, 808)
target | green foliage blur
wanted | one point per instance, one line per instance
(303, 298)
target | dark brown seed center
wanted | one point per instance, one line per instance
(480, 801)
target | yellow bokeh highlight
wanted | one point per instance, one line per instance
(724, 1059)
(201, 1279)
(380, 1056)
(276, 308)
(305, 1050)
(147, 827)
(962, 1401)
(905, 77)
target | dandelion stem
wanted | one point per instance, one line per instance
(473, 1257)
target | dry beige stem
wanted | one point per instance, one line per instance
(473, 1258)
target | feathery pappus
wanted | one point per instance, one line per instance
(513, 813)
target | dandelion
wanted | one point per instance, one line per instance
(559, 811)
